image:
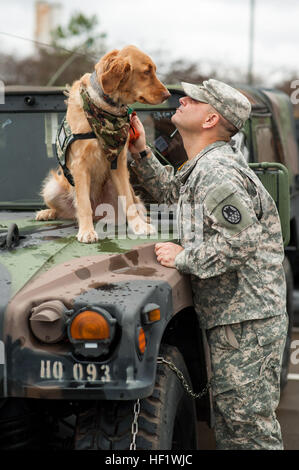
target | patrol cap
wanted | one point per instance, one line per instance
(228, 101)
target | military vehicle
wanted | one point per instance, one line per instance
(100, 346)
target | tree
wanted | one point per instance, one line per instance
(80, 34)
(73, 51)
(182, 71)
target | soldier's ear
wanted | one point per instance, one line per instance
(211, 120)
(111, 71)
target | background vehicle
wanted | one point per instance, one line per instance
(53, 367)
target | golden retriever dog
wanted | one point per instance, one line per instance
(121, 77)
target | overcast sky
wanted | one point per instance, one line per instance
(206, 31)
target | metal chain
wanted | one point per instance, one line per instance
(184, 382)
(161, 360)
(134, 428)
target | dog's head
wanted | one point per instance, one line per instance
(129, 75)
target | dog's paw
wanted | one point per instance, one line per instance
(87, 236)
(140, 227)
(46, 214)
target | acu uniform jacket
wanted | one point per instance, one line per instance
(230, 230)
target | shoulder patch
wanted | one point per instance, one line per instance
(228, 210)
(231, 214)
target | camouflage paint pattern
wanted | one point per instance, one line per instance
(125, 283)
(282, 113)
(112, 131)
(48, 244)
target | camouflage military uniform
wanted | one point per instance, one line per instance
(233, 250)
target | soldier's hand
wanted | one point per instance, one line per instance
(166, 253)
(140, 144)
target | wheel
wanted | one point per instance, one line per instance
(290, 311)
(21, 428)
(167, 418)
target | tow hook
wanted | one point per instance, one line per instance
(11, 239)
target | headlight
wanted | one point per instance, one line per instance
(91, 331)
(90, 325)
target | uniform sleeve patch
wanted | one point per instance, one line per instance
(229, 210)
(231, 214)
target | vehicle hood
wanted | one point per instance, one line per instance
(43, 245)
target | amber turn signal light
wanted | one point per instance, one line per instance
(89, 325)
(141, 341)
(150, 313)
(154, 315)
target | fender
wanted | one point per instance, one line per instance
(123, 284)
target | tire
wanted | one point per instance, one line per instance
(290, 311)
(167, 418)
(21, 428)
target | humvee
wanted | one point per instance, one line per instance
(100, 346)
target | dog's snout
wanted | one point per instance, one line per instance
(165, 95)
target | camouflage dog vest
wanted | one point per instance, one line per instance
(111, 131)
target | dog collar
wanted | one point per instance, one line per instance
(98, 89)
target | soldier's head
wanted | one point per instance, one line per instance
(213, 107)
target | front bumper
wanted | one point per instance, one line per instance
(36, 370)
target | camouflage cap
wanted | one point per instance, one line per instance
(228, 101)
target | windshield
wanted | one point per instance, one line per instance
(162, 136)
(26, 155)
(163, 140)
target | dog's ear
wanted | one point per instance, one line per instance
(114, 70)
(104, 64)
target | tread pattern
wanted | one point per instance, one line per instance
(107, 424)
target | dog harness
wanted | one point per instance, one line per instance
(112, 132)
(64, 138)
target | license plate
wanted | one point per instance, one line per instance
(78, 372)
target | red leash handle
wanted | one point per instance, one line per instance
(134, 134)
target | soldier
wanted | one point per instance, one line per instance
(230, 244)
